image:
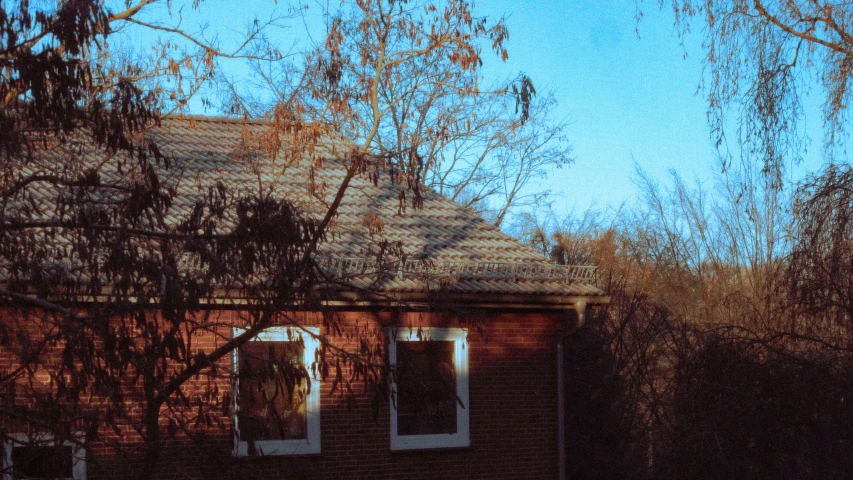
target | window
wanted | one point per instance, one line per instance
(429, 396)
(277, 396)
(41, 458)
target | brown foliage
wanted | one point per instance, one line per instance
(725, 351)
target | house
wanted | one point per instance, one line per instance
(470, 321)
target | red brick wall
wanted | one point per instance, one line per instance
(513, 403)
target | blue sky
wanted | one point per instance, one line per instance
(631, 99)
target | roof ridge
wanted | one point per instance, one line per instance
(214, 118)
(228, 120)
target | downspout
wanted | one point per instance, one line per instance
(580, 309)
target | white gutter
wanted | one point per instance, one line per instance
(580, 308)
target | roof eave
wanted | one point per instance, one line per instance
(429, 300)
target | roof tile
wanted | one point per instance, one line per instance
(206, 150)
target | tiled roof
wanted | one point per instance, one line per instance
(442, 240)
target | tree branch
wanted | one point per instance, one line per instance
(803, 35)
(207, 48)
(130, 12)
(35, 302)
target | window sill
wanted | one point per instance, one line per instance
(429, 450)
(430, 442)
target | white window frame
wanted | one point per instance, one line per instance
(460, 439)
(78, 453)
(309, 445)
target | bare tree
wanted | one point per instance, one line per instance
(491, 162)
(479, 146)
(821, 256)
(93, 210)
(761, 58)
(68, 65)
(689, 270)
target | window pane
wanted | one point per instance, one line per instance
(272, 391)
(426, 388)
(42, 462)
